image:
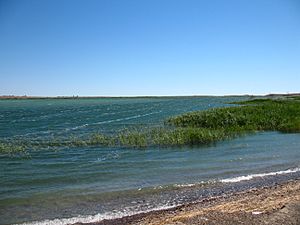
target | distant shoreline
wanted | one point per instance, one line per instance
(121, 97)
(7, 97)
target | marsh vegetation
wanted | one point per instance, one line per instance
(194, 128)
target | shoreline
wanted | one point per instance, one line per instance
(276, 204)
(120, 97)
(20, 97)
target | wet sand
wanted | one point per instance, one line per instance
(279, 204)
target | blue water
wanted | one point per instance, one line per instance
(107, 182)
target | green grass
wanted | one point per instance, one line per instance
(254, 115)
(12, 148)
(194, 128)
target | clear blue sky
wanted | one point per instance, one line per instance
(149, 47)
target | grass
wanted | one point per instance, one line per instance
(194, 128)
(254, 115)
(159, 137)
(12, 148)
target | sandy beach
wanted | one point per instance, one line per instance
(279, 204)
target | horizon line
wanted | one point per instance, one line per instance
(136, 96)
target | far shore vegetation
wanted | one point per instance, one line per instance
(194, 128)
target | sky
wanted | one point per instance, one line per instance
(149, 47)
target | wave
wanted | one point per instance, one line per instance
(31, 134)
(235, 179)
(108, 156)
(251, 176)
(201, 183)
(129, 211)
(95, 218)
(114, 120)
(84, 125)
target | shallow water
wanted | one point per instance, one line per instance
(112, 182)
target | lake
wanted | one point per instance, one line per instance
(71, 184)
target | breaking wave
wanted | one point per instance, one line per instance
(258, 175)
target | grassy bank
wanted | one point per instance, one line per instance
(195, 128)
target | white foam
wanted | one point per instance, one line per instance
(251, 176)
(114, 120)
(77, 127)
(184, 185)
(128, 118)
(195, 184)
(94, 218)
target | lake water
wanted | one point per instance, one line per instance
(61, 186)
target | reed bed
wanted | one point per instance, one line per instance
(254, 115)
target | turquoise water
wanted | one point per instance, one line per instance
(92, 183)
